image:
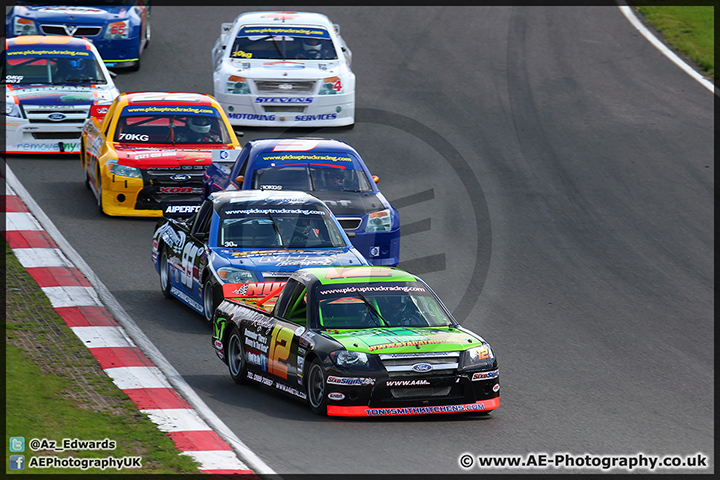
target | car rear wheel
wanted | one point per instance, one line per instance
(165, 274)
(236, 357)
(316, 386)
(209, 301)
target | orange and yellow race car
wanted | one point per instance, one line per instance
(145, 154)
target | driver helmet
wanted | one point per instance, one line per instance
(311, 45)
(76, 63)
(199, 124)
(334, 177)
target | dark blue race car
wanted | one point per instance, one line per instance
(240, 237)
(119, 29)
(329, 169)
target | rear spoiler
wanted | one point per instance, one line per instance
(257, 294)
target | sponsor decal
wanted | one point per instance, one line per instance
(48, 147)
(374, 251)
(303, 100)
(251, 116)
(187, 299)
(313, 118)
(137, 110)
(336, 396)
(218, 344)
(293, 31)
(485, 375)
(182, 209)
(350, 381)
(134, 137)
(422, 367)
(260, 379)
(496, 387)
(166, 190)
(468, 407)
(258, 342)
(406, 383)
(258, 359)
(290, 390)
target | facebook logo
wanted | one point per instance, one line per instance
(17, 462)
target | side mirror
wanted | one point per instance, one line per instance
(376, 179)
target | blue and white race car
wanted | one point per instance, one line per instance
(284, 69)
(119, 29)
(332, 171)
(248, 236)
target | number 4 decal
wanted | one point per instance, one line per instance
(337, 86)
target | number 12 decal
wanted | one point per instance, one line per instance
(280, 343)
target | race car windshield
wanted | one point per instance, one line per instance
(308, 179)
(293, 43)
(170, 129)
(278, 227)
(358, 306)
(27, 70)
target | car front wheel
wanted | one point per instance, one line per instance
(316, 386)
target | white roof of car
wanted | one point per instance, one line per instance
(285, 18)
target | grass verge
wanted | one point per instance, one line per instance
(690, 29)
(56, 390)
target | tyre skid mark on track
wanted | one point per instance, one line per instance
(74, 299)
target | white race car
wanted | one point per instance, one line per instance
(287, 69)
(51, 83)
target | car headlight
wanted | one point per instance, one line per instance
(479, 357)
(237, 85)
(12, 110)
(118, 30)
(236, 275)
(123, 170)
(24, 26)
(330, 86)
(379, 221)
(349, 359)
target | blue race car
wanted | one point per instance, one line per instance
(246, 237)
(119, 29)
(329, 169)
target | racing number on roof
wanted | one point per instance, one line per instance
(280, 343)
(166, 97)
(295, 145)
(50, 39)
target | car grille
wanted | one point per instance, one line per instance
(160, 188)
(40, 114)
(401, 364)
(420, 392)
(350, 223)
(56, 135)
(281, 86)
(276, 276)
(81, 31)
(283, 108)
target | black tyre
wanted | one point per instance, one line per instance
(99, 194)
(316, 388)
(235, 352)
(165, 274)
(210, 300)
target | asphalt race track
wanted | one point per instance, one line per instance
(555, 178)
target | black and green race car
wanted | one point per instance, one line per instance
(355, 341)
